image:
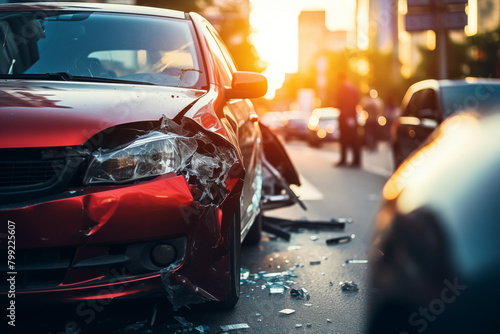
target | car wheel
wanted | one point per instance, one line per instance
(255, 232)
(234, 240)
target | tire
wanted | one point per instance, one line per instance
(255, 233)
(234, 240)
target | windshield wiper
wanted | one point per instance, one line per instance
(64, 76)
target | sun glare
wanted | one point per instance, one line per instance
(275, 24)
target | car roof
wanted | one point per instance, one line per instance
(94, 7)
(436, 84)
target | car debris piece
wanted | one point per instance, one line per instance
(287, 311)
(349, 286)
(314, 237)
(329, 321)
(183, 321)
(244, 273)
(135, 327)
(345, 220)
(340, 240)
(298, 325)
(226, 328)
(308, 325)
(356, 261)
(314, 263)
(300, 293)
(292, 248)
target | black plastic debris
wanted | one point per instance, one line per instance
(313, 263)
(300, 293)
(340, 240)
(349, 286)
(135, 327)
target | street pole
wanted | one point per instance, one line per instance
(441, 41)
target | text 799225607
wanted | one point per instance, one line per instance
(11, 273)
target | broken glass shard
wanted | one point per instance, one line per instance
(234, 327)
(183, 321)
(244, 273)
(276, 289)
(349, 286)
(356, 261)
(298, 325)
(314, 237)
(287, 311)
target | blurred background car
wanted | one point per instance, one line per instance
(434, 263)
(323, 126)
(427, 103)
(274, 120)
(295, 125)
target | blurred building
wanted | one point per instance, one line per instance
(315, 37)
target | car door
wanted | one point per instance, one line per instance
(419, 117)
(241, 115)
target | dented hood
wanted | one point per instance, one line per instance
(48, 113)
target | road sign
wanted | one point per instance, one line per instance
(455, 20)
(419, 22)
(412, 3)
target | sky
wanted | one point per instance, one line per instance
(275, 23)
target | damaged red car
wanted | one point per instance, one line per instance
(132, 162)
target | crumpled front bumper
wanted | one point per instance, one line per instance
(95, 243)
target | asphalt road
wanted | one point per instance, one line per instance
(328, 192)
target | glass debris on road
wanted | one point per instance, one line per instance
(314, 237)
(276, 289)
(349, 286)
(226, 328)
(356, 261)
(287, 311)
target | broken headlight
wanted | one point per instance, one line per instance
(150, 155)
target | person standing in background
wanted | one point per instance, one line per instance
(347, 99)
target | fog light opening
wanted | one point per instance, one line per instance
(163, 254)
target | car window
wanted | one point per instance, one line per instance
(223, 68)
(140, 48)
(478, 97)
(425, 99)
(414, 104)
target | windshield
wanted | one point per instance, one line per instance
(479, 97)
(119, 47)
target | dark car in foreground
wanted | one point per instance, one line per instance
(435, 260)
(427, 103)
(132, 162)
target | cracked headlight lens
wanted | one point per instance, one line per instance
(154, 154)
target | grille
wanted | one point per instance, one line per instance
(29, 173)
(40, 268)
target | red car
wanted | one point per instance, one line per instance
(132, 161)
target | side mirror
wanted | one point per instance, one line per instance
(247, 85)
(426, 113)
